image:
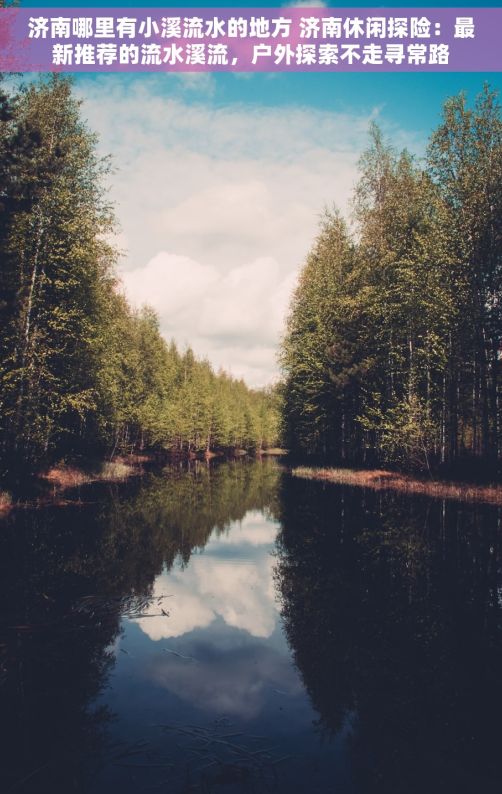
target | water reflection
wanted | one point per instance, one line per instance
(53, 660)
(392, 609)
(230, 629)
(56, 656)
(232, 580)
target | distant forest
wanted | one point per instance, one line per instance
(392, 351)
(82, 374)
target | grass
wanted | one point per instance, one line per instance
(64, 476)
(382, 480)
(5, 502)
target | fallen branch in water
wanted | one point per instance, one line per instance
(180, 655)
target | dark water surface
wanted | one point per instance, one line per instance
(234, 630)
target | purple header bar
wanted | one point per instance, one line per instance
(300, 39)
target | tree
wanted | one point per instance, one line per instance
(82, 374)
(465, 161)
(392, 345)
(56, 267)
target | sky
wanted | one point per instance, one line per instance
(220, 180)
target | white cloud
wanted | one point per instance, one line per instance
(239, 590)
(219, 206)
(233, 318)
(169, 283)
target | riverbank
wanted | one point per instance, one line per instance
(66, 476)
(383, 480)
(51, 485)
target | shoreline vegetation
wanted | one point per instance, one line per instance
(52, 483)
(65, 476)
(62, 477)
(384, 480)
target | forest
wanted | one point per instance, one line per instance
(82, 374)
(391, 354)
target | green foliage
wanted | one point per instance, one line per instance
(55, 265)
(81, 373)
(405, 433)
(391, 351)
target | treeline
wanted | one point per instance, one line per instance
(392, 347)
(81, 372)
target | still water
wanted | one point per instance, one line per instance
(231, 629)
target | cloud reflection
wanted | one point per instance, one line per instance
(231, 580)
(240, 682)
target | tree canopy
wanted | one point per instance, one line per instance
(81, 372)
(392, 345)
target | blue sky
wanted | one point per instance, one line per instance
(220, 181)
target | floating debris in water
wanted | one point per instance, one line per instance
(130, 606)
(222, 759)
(180, 655)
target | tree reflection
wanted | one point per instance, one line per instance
(392, 608)
(55, 656)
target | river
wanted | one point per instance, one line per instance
(232, 629)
